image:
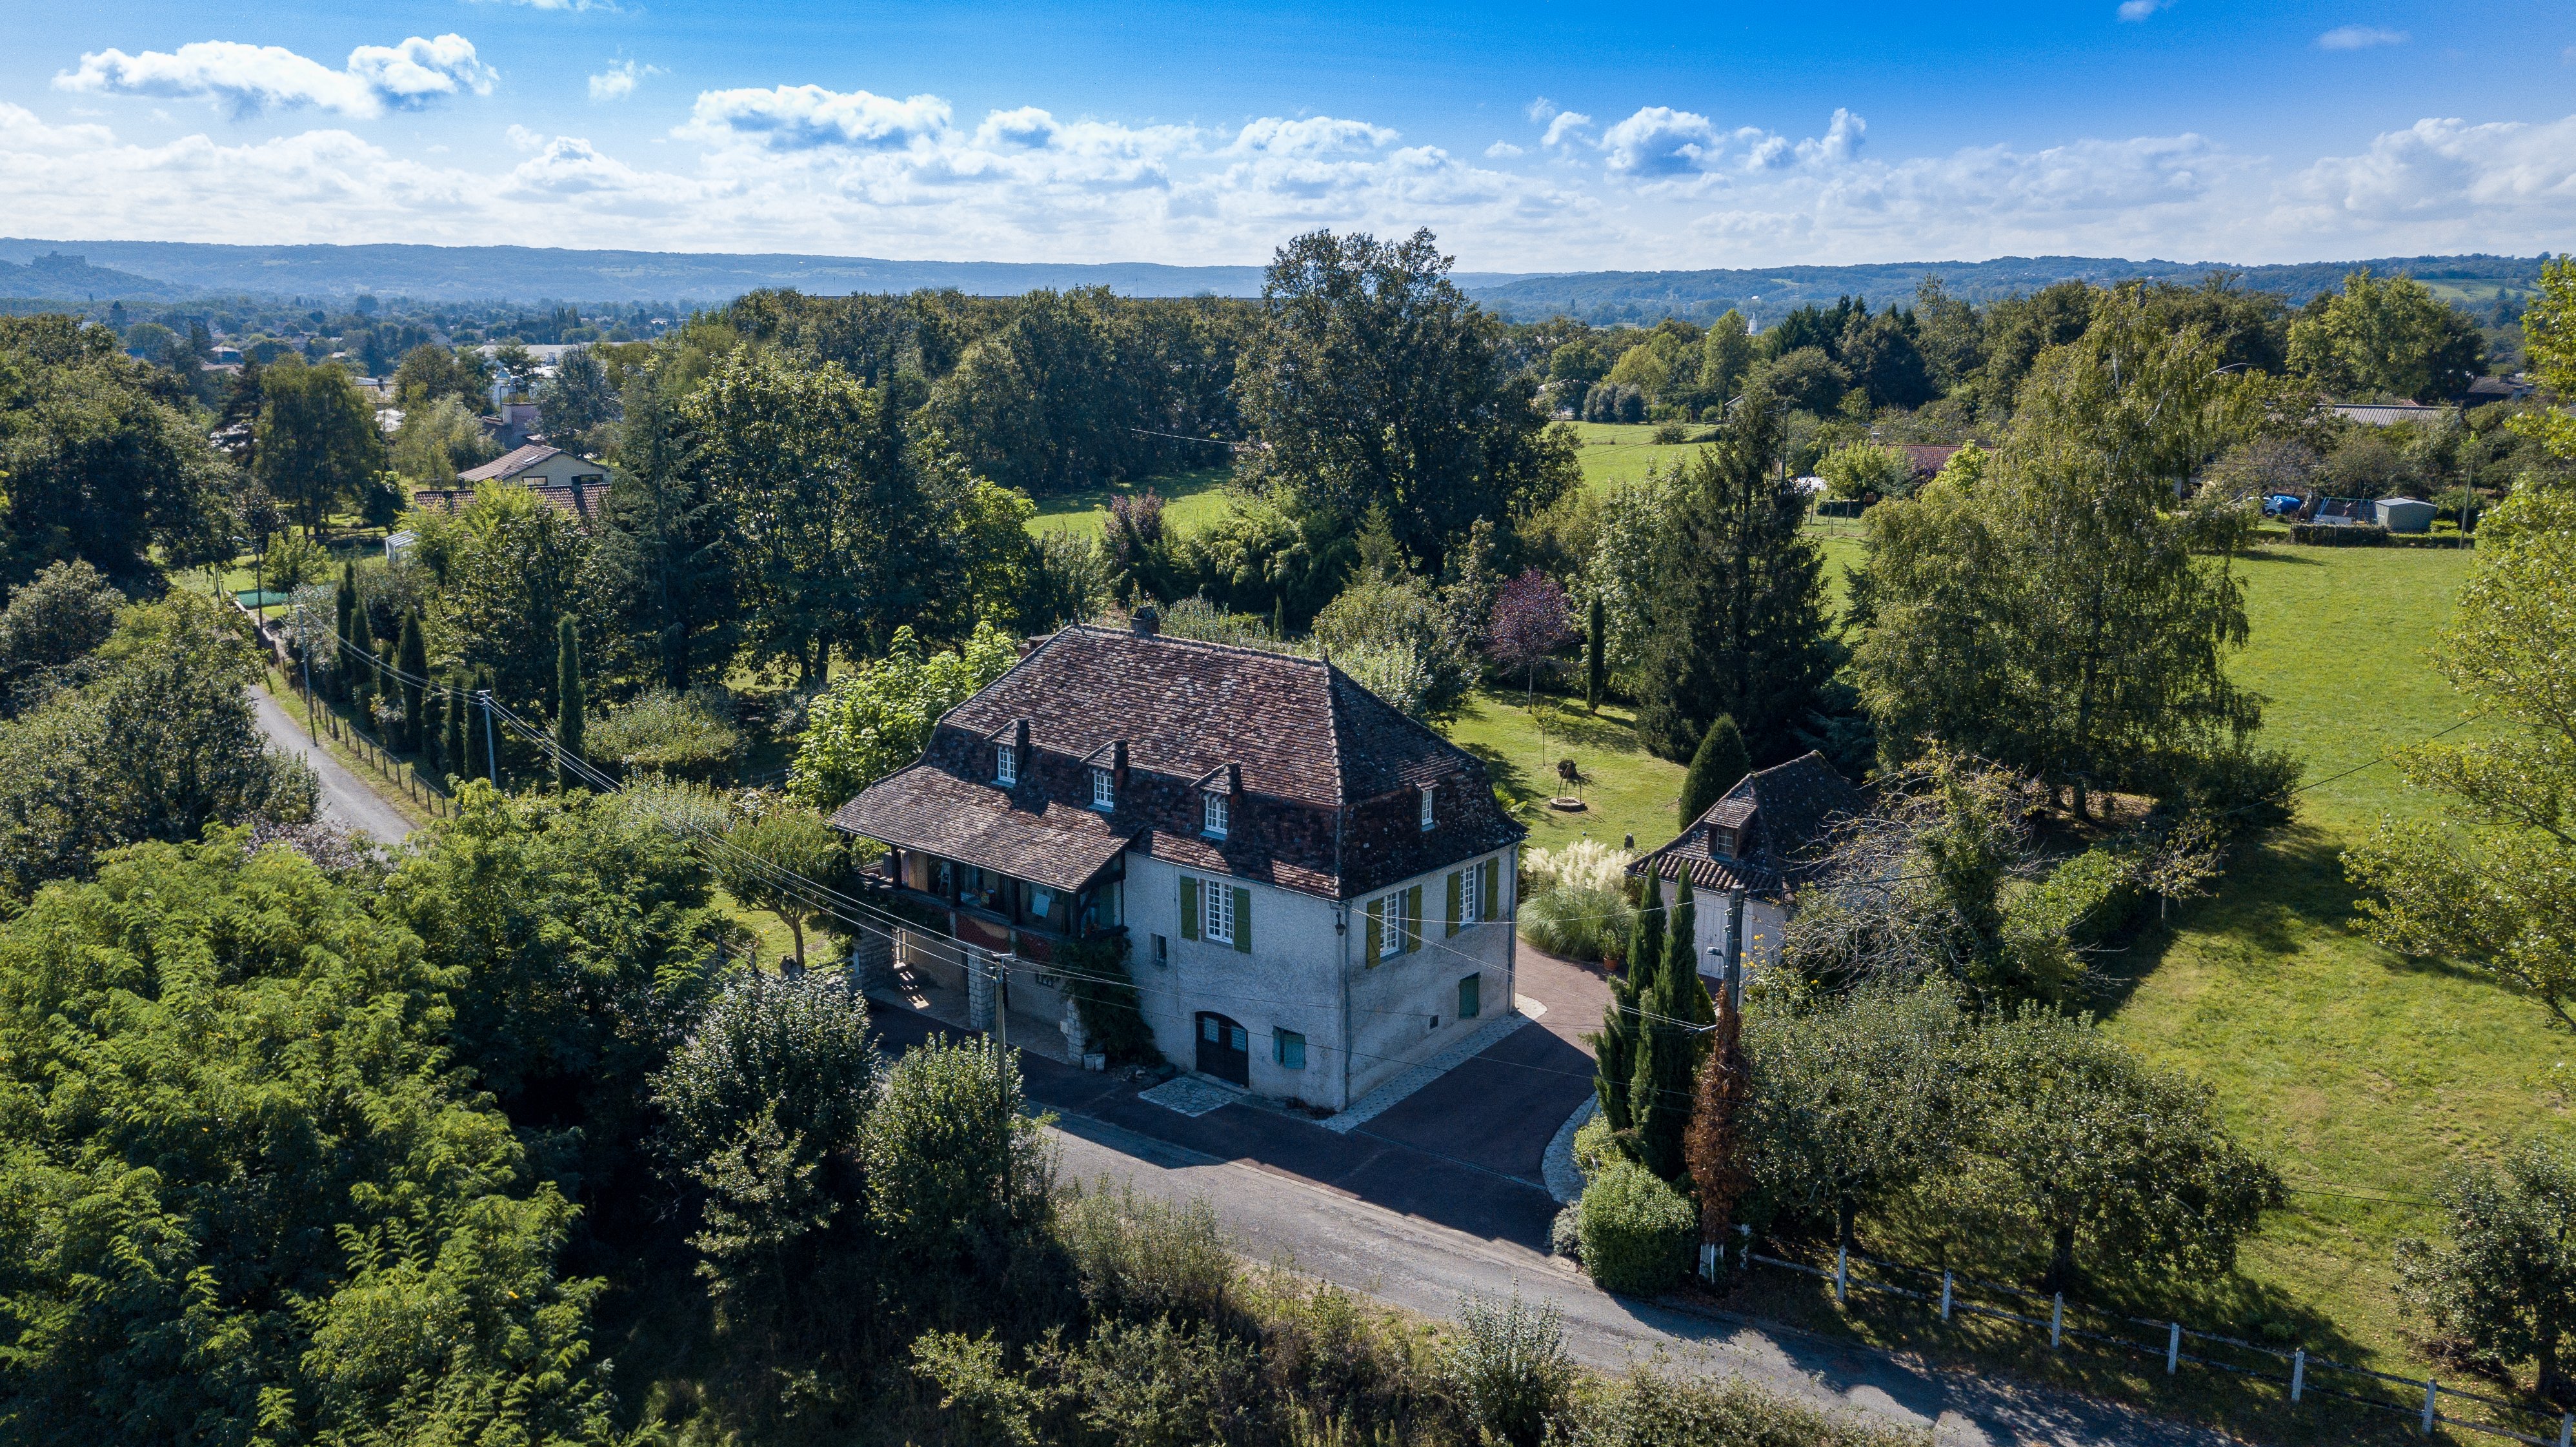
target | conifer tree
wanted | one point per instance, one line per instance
(346, 610)
(1614, 1050)
(1718, 765)
(412, 657)
(1716, 1146)
(1596, 666)
(433, 733)
(1670, 1013)
(362, 675)
(568, 719)
(458, 761)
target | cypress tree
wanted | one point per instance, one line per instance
(1719, 764)
(362, 674)
(1279, 618)
(412, 657)
(1646, 948)
(433, 733)
(568, 721)
(346, 608)
(1596, 668)
(1614, 1049)
(1668, 1045)
(455, 762)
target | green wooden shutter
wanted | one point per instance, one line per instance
(1489, 895)
(1413, 918)
(1376, 930)
(1455, 892)
(1189, 908)
(1242, 920)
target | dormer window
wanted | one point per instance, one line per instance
(1213, 809)
(1426, 806)
(1006, 765)
(1104, 790)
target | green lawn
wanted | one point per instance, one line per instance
(1632, 791)
(1192, 500)
(1617, 452)
(2359, 1073)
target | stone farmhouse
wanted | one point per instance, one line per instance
(1316, 893)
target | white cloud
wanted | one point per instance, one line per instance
(619, 80)
(1539, 109)
(804, 117)
(2141, 9)
(1565, 128)
(249, 79)
(555, 4)
(2360, 37)
(808, 169)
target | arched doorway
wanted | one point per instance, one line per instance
(1224, 1050)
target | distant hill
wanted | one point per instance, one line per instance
(1765, 295)
(56, 277)
(167, 270)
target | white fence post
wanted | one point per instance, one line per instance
(2057, 1321)
(2298, 1372)
(2430, 1390)
(1842, 1272)
(1945, 1294)
(2567, 1430)
(2173, 1349)
(1708, 1261)
(1745, 1261)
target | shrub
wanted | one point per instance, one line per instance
(1585, 863)
(686, 735)
(2082, 901)
(1159, 1385)
(1508, 1365)
(957, 1176)
(1670, 434)
(2339, 535)
(1104, 994)
(1637, 1230)
(1143, 1258)
(1578, 923)
(1565, 1233)
(1657, 1409)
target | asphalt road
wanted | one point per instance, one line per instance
(1412, 1262)
(346, 799)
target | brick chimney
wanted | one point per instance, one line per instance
(1145, 620)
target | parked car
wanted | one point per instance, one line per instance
(2282, 504)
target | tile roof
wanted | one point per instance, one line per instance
(580, 499)
(1784, 815)
(1927, 458)
(1328, 773)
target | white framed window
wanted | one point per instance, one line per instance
(1471, 895)
(1426, 806)
(1213, 809)
(1006, 765)
(1394, 923)
(1216, 911)
(1104, 789)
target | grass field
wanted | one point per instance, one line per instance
(2360, 1074)
(1617, 452)
(1192, 500)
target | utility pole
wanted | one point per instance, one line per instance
(1735, 948)
(1002, 1006)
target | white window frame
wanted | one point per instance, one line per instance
(1104, 790)
(1006, 765)
(1215, 814)
(1470, 887)
(1216, 911)
(1427, 791)
(1394, 930)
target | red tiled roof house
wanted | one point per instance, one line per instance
(1316, 890)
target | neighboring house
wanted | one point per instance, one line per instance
(2405, 514)
(2494, 389)
(560, 479)
(2387, 414)
(1926, 459)
(1767, 836)
(1316, 891)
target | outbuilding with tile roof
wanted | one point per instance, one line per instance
(1767, 836)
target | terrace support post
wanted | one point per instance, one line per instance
(1945, 1294)
(2057, 1321)
(2173, 1349)
(1842, 1273)
(2298, 1372)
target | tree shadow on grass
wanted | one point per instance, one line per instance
(2277, 890)
(1521, 798)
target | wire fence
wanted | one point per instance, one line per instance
(2299, 1373)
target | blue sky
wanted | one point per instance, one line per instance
(1529, 136)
